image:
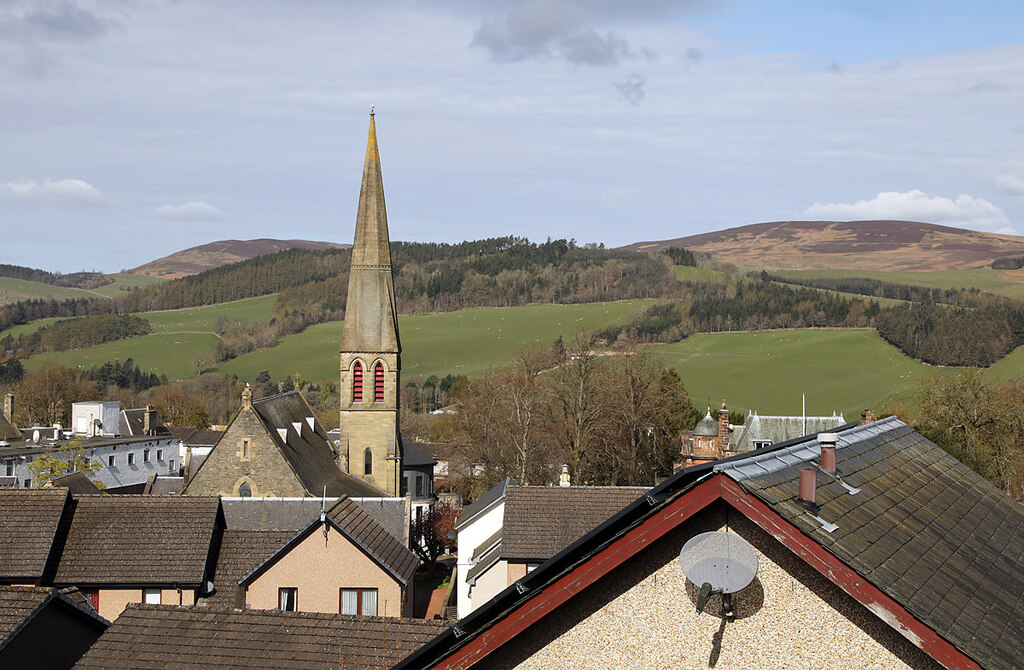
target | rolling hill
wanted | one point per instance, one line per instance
(861, 245)
(207, 256)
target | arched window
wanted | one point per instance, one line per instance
(367, 462)
(245, 491)
(357, 382)
(378, 382)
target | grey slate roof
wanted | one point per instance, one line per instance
(203, 438)
(707, 426)
(776, 429)
(7, 431)
(414, 453)
(309, 450)
(150, 637)
(295, 514)
(496, 493)
(540, 521)
(143, 540)
(30, 521)
(925, 529)
(18, 604)
(133, 421)
(240, 552)
(76, 482)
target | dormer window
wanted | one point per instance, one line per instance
(357, 382)
(378, 382)
(367, 462)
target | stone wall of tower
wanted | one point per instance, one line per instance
(371, 425)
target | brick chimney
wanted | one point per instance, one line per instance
(9, 407)
(148, 419)
(867, 416)
(723, 430)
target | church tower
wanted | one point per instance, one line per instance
(370, 350)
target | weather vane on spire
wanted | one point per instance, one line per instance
(371, 110)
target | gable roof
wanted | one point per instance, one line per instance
(201, 438)
(162, 636)
(138, 539)
(415, 453)
(308, 450)
(777, 429)
(295, 514)
(483, 503)
(31, 518)
(133, 422)
(760, 485)
(19, 604)
(349, 519)
(76, 482)
(240, 552)
(540, 521)
(7, 430)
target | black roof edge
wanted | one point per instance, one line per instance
(61, 599)
(531, 584)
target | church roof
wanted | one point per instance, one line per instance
(307, 448)
(371, 318)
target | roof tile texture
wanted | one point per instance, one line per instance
(374, 538)
(30, 518)
(541, 521)
(154, 637)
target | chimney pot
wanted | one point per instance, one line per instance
(867, 416)
(808, 485)
(564, 479)
(828, 451)
(246, 397)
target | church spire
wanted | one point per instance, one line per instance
(371, 322)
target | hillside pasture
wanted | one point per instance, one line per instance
(13, 290)
(123, 282)
(1001, 282)
(161, 353)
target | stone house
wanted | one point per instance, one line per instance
(160, 636)
(33, 619)
(893, 555)
(275, 447)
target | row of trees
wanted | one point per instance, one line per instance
(614, 419)
(86, 280)
(75, 334)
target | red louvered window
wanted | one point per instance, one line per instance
(357, 382)
(378, 383)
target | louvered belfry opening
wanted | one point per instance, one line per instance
(378, 382)
(357, 382)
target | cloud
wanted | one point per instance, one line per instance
(551, 29)
(964, 211)
(193, 210)
(60, 20)
(61, 191)
(632, 89)
(1010, 183)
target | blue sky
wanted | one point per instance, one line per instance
(134, 128)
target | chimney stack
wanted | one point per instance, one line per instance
(148, 419)
(563, 480)
(808, 487)
(828, 451)
(723, 430)
(246, 397)
(867, 416)
(9, 407)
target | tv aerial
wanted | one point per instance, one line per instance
(718, 563)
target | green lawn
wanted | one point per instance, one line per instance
(162, 353)
(467, 342)
(204, 319)
(985, 279)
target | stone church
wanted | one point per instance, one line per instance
(275, 446)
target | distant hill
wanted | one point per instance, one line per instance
(215, 254)
(860, 245)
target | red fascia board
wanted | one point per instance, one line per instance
(584, 575)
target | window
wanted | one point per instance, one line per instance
(367, 462)
(358, 601)
(151, 596)
(94, 597)
(28, 483)
(110, 461)
(131, 458)
(159, 454)
(245, 448)
(170, 465)
(378, 382)
(357, 382)
(244, 491)
(145, 455)
(419, 486)
(10, 468)
(288, 599)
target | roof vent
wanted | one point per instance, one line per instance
(311, 420)
(297, 425)
(808, 496)
(828, 451)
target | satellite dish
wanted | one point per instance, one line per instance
(35, 436)
(718, 563)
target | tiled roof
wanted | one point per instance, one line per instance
(240, 552)
(540, 521)
(925, 529)
(134, 420)
(153, 637)
(776, 429)
(294, 514)
(138, 540)
(470, 512)
(416, 453)
(76, 482)
(18, 603)
(30, 521)
(203, 438)
(162, 485)
(389, 513)
(381, 544)
(308, 450)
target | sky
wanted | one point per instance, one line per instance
(131, 129)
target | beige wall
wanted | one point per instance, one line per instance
(319, 569)
(489, 584)
(113, 601)
(515, 571)
(643, 615)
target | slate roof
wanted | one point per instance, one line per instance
(153, 637)
(294, 514)
(416, 454)
(540, 521)
(309, 450)
(133, 421)
(389, 513)
(478, 506)
(7, 431)
(30, 522)
(141, 540)
(925, 529)
(76, 482)
(203, 438)
(18, 604)
(781, 428)
(240, 552)
(162, 485)
(707, 426)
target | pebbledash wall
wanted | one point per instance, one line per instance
(319, 567)
(643, 615)
(113, 601)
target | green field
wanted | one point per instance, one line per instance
(985, 279)
(125, 281)
(162, 353)
(13, 290)
(204, 319)
(467, 342)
